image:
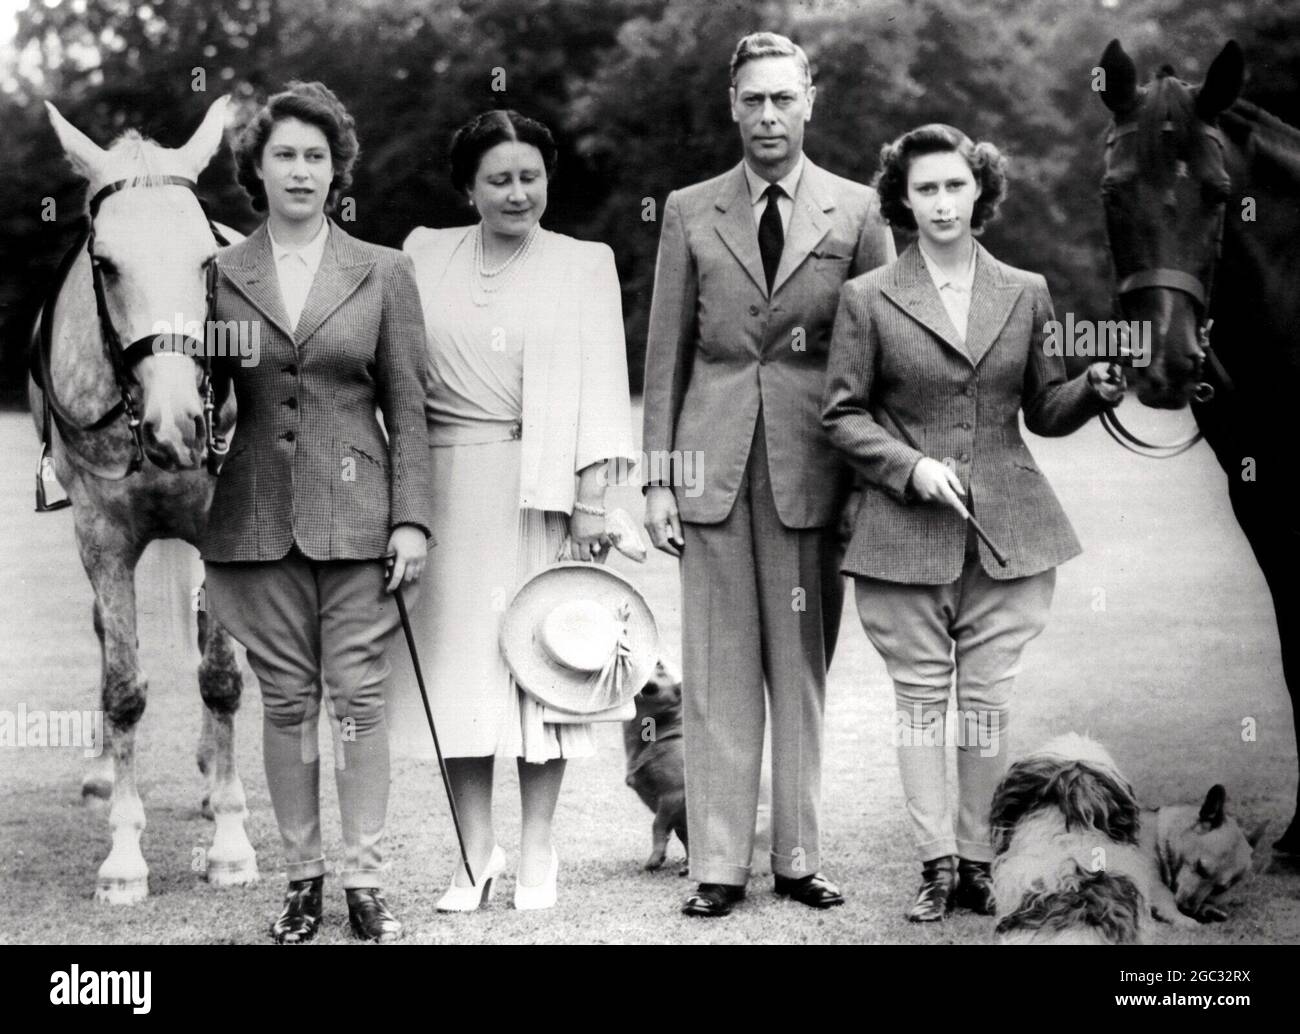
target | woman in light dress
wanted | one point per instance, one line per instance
(528, 402)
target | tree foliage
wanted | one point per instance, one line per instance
(635, 91)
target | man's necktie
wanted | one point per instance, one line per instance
(771, 237)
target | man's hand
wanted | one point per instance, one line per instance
(935, 482)
(662, 522)
(407, 551)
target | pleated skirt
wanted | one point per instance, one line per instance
(486, 548)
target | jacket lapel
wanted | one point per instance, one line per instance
(735, 225)
(250, 267)
(343, 268)
(992, 300)
(914, 292)
(808, 222)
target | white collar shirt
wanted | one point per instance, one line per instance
(954, 291)
(784, 203)
(295, 269)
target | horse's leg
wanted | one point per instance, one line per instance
(109, 556)
(97, 784)
(231, 861)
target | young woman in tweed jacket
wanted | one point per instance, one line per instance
(948, 342)
(314, 494)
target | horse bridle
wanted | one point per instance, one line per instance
(1200, 291)
(123, 360)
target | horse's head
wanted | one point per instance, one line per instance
(152, 248)
(1165, 186)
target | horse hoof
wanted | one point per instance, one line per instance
(206, 809)
(96, 789)
(235, 873)
(122, 892)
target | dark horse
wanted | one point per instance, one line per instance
(1202, 198)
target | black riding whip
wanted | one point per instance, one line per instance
(998, 555)
(428, 713)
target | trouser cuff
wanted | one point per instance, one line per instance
(975, 850)
(357, 879)
(720, 872)
(936, 849)
(307, 870)
(795, 867)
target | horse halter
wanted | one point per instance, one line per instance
(123, 360)
(1200, 291)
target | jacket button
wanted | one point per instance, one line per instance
(291, 369)
(753, 310)
(291, 402)
(288, 436)
(964, 425)
(964, 457)
(970, 391)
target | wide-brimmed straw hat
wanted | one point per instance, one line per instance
(580, 638)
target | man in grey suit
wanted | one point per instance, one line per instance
(746, 286)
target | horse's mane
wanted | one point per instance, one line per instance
(145, 156)
(1263, 135)
(1169, 102)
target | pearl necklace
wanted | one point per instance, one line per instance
(488, 282)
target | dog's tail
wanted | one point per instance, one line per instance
(1074, 776)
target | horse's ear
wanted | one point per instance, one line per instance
(1222, 82)
(86, 155)
(1119, 90)
(200, 148)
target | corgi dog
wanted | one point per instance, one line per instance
(1079, 861)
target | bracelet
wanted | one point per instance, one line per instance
(593, 511)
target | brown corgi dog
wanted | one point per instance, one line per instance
(656, 767)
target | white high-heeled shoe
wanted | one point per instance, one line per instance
(543, 894)
(468, 899)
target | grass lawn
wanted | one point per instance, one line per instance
(1161, 644)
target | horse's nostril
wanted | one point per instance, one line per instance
(650, 690)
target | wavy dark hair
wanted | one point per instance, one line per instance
(985, 161)
(315, 104)
(497, 126)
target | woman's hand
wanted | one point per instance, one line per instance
(935, 482)
(406, 554)
(1107, 380)
(587, 532)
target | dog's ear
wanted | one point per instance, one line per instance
(1212, 810)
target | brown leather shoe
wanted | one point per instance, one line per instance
(934, 899)
(370, 918)
(815, 891)
(975, 887)
(300, 919)
(712, 900)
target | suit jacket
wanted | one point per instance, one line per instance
(894, 343)
(719, 347)
(576, 406)
(309, 462)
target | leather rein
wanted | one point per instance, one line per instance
(1200, 292)
(123, 360)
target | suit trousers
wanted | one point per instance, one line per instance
(307, 625)
(975, 627)
(761, 604)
